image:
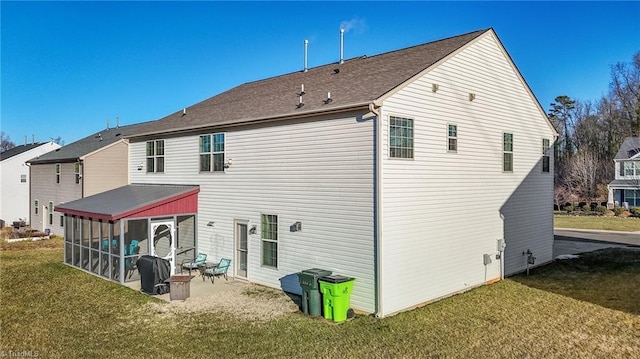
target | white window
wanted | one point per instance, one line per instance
(545, 155)
(507, 154)
(77, 171)
(212, 152)
(400, 137)
(270, 240)
(61, 220)
(23, 178)
(155, 156)
(58, 169)
(632, 168)
(36, 204)
(452, 138)
(50, 207)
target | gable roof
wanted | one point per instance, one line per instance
(629, 148)
(19, 150)
(74, 151)
(355, 83)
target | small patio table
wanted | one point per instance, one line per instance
(203, 267)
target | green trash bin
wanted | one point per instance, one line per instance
(336, 292)
(308, 278)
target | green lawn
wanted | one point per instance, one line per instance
(563, 310)
(597, 222)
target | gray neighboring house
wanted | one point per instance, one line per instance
(94, 164)
(624, 190)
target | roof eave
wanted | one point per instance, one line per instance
(250, 121)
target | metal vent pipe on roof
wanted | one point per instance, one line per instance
(341, 46)
(306, 46)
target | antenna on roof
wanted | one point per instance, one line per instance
(341, 46)
(33, 139)
(306, 46)
(117, 121)
(107, 124)
(25, 140)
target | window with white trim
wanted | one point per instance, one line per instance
(270, 240)
(212, 152)
(61, 220)
(507, 152)
(58, 170)
(400, 137)
(452, 138)
(23, 178)
(77, 171)
(545, 155)
(50, 207)
(36, 204)
(155, 156)
(631, 168)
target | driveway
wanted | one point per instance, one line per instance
(573, 241)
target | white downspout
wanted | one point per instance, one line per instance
(378, 195)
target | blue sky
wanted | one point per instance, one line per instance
(67, 67)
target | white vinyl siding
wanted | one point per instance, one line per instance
(438, 220)
(106, 169)
(294, 171)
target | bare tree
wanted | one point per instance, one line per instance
(5, 142)
(583, 175)
(625, 88)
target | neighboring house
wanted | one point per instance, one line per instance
(624, 190)
(14, 179)
(88, 166)
(406, 170)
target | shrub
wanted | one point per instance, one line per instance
(618, 210)
(568, 208)
(601, 209)
(609, 213)
(635, 210)
(586, 208)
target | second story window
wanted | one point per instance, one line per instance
(631, 168)
(77, 172)
(35, 206)
(212, 152)
(452, 137)
(23, 178)
(155, 156)
(57, 173)
(400, 137)
(545, 155)
(507, 152)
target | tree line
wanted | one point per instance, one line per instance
(590, 134)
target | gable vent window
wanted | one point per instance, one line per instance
(507, 154)
(155, 156)
(212, 152)
(400, 137)
(57, 173)
(452, 138)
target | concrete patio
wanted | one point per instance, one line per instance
(201, 288)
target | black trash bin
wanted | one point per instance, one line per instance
(154, 273)
(311, 299)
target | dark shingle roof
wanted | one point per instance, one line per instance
(118, 203)
(18, 150)
(358, 82)
(73, 151)
(629, 148)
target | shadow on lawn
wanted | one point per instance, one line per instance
(607, 277)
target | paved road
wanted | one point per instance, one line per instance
(581, 240)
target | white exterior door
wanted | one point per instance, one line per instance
(163, 244)
(241, 249)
